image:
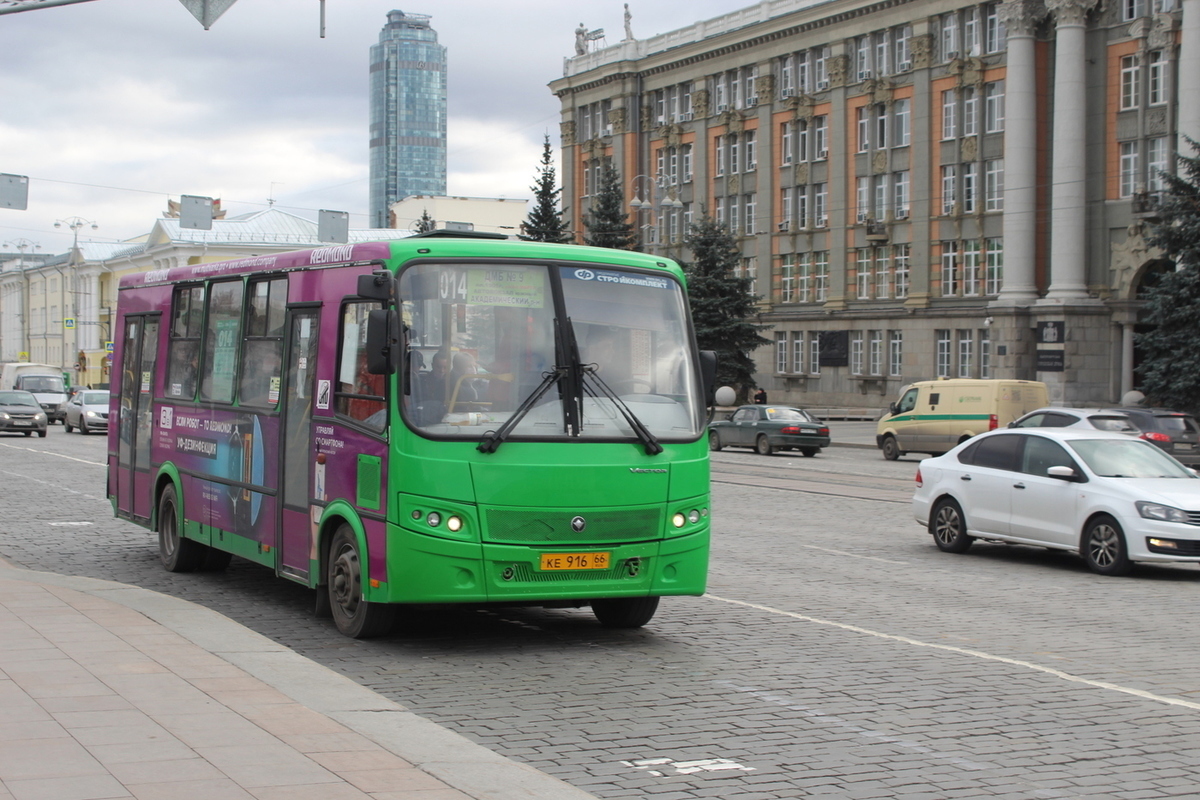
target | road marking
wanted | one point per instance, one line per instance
(70, 523)
(59, 455)
(850, 555)
(1058, 673)
(686, 767)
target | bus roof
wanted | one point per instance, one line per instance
(444, 246)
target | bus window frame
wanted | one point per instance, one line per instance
(369, 304)
(207, 362)
(249, 338)
(196, 341)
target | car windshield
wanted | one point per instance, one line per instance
(484, 338)
(42, 383)
(95, 398)
(18, 399)
(788, 415)
(1116, 458)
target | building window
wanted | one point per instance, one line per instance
(900, 190)
(882, 273)
(750, 206)
(1130, 80)
(895, 353)
(972, 268)
(985, 353)
(903, 122)
(949, 36)
(900, 259)
(802, 218)
(1132, 9)
(966, 353)
(949, 114)
(751, 151)
(903, 53)
(798, 352)
(875, 353)
(814, 353)
(1129, 168)
(750, 270)
(781, 352)
(881, 126)
(864, 128)
(821, 276)
(994, 278)
(786, 207)
(787, 281)
(785, 143)
(821, 204)
(972, 35)
(994, 33)
(970, 121)
(719, 148)
(862, 199)
(1158, 78)
(863, 273)
(942, 360)
(880, 209)
(805, 278)
(949, 269)
(993, 187)
(970, 186)
(1156, 164)
(993, 107)
(856, 353)
(862, 58)
(821, 124)
(949, 188)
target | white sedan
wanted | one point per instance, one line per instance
(1111, 498)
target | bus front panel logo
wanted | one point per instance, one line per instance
(578, 524)
(584, 274)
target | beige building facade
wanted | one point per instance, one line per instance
(919, 189)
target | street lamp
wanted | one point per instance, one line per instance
(75, 223)
(653, 192)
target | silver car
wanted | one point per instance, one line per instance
(88, 411)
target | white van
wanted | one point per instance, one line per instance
(933, 416)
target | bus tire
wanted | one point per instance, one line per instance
(625, 612)
(178, 553)
(216, 560)
(353, 615)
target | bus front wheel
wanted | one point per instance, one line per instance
(178, 553)
(353, 615)
(625, 612)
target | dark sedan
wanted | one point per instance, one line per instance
(768, 429)
(20, 413)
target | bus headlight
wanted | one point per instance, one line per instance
(678, 519)
(434, 519)
(694, 516)
(454, 524)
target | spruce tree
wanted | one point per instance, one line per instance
(722, 304)
(426, 223)
(1170, 367)
(606, 224)
(545, 221)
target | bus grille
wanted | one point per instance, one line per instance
(523, 573)
(539, 525)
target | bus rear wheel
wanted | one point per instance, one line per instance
(353, 615)
(178, 553)
(625, 612)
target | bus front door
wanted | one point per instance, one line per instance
(296, 528)
(134, 419)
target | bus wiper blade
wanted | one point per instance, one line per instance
(493, 439)
(643, 433)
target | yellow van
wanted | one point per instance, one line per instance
(933, 416)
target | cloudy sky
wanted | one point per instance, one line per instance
(112, 106)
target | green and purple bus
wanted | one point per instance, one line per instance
(437, 419)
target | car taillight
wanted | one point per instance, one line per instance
(919, 481)
(1155, 436)
(993, 423)
(792, 430)
(823, 431)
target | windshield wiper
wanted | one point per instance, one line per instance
(643, 433)
(493, 439)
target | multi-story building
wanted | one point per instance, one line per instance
(919, 189)
(408, 114)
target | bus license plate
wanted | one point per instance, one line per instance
(552, 561)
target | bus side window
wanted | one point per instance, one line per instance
(221, 338)
(262, 347)
(361, 396)
(183, 356)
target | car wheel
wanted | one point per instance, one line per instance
(67, 425)
(714, 441)
(949, 527)
(83, 428)
(178, 553)
(762, 445)
(42, 433)
(891, 450)
(29, 433)
(809, 452)
(625, 612)
(1104, 547)
(354, 616)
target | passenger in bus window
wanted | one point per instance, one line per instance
(462, 381)
(185, 366)
(261, 374)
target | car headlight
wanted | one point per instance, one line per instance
(4, 416)
(92, 414)
(1159, 511)
(39, 417)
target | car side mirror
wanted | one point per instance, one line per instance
(892, 409)
(1012, 424)
(1065, 473)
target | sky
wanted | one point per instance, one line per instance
(111, 107)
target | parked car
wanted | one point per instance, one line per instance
(87, 411)
(1113, 498)
(20, 412)
(769, 428)
(1089, 418)
(1174, 431)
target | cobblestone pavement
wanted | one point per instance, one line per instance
(838, 653)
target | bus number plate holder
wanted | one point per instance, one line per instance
(570, 561)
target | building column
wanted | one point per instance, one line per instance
(1126, 367)
(1189, 76)
(1020, 153)
(1068, 216)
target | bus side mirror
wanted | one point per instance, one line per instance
(383, 340)
(376, 286)
(708, 375)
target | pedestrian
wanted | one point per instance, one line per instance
(760, 397)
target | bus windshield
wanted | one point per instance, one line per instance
(482, 338)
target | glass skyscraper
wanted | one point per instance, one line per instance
(408, 113)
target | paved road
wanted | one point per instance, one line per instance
(838, 653)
